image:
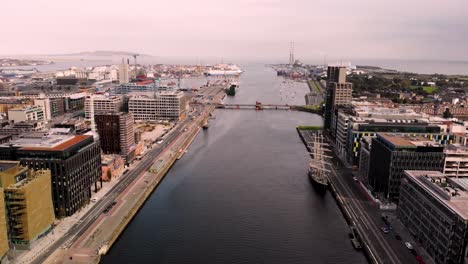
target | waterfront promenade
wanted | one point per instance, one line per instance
(361, 211)
(95, 232)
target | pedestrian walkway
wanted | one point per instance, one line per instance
(61, 227)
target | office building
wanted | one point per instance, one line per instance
(26, 114)
(7, 104)
(45, 104)
(124, 72)
(164, 106)
(28, 202)
(391, 154)
(127, 88)
(434, 209)
(362, 122)
(74, 162)
(101, 104)
(116, 134)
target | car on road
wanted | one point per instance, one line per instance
(420, 260)
(94, 200)
(355, 179)
(385, 230)
(408, 245)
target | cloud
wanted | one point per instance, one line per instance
(240, 29)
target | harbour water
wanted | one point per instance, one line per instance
(241, 194)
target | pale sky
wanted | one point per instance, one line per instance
(394, 29)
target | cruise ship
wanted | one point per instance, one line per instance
(224, 70)
(318, 165)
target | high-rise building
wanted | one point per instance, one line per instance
(391, 154)
(124, 72)
(164, 105)
(336, 74)
(116, 134)
(28, 202)
(74, 161)
(433, 207)
(339, 93)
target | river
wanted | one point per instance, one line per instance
(241, 194)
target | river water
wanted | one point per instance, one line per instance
(241, 194)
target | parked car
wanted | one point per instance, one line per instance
(397, 236)
(355, 179)
(408, 245)
(385, 230)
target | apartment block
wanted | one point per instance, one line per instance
(116, 133)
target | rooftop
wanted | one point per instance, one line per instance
(450, 191)
(6, 165)
(48, 142)
(407, 140)
(456, 149)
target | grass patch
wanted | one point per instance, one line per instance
(312, 107)
(310, 128)
(313, 83)
(427, 89)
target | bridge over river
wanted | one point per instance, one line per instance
(260, 106)
(255, 106)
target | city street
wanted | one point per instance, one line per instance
(369, 220)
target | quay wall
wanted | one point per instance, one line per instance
(154, 183)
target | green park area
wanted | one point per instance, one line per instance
(309, 127)
(427, 89)
(314, 84)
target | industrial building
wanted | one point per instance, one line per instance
(28, 202)
(164, 105)
(391, 154)
(434, 208)
(74, 162)
(116, 134)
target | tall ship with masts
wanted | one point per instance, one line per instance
(319, 167)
